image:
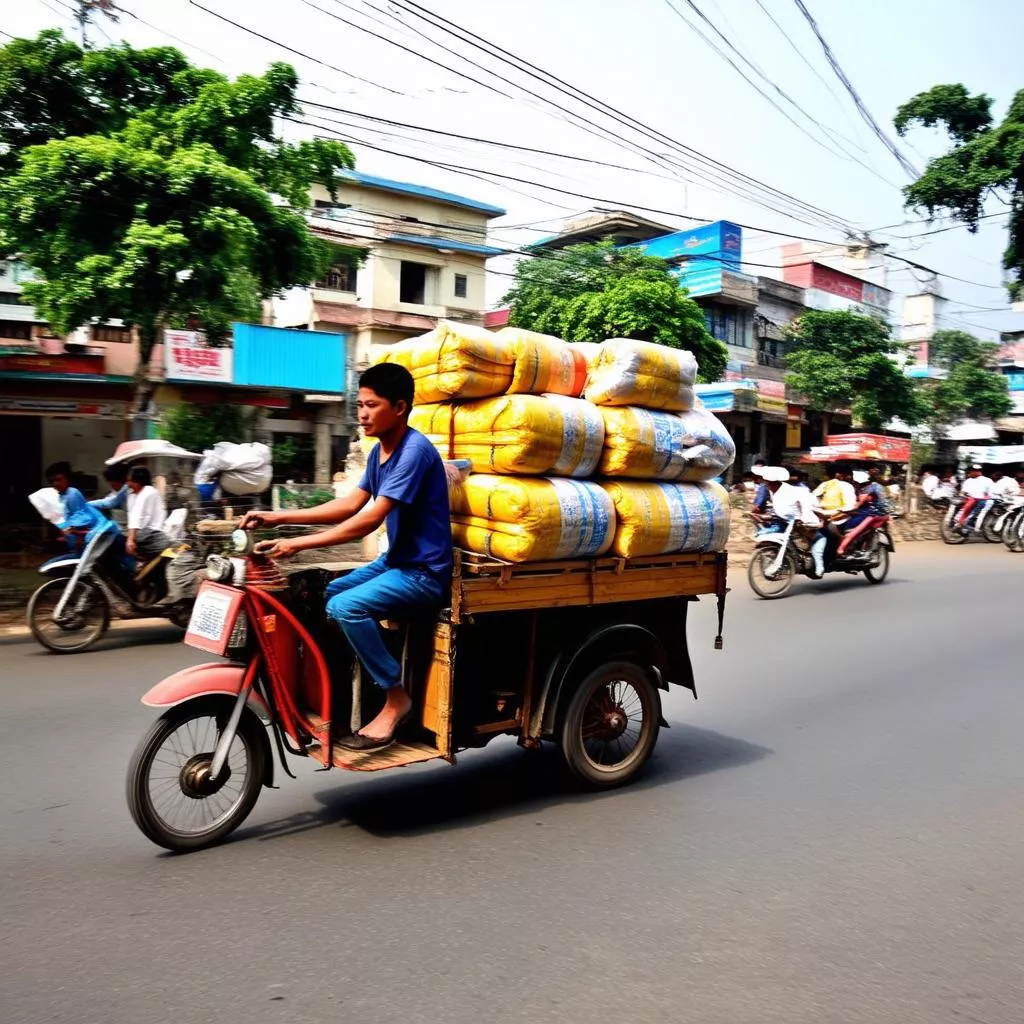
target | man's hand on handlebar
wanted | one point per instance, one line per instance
(281, 548)
(260, 520)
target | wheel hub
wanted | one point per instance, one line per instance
(195, 779)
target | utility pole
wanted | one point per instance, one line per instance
(85, 13)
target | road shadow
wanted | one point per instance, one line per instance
(496, 784)
(115, 640)
(808, 588)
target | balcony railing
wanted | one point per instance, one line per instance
(767, 359)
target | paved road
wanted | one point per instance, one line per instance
(833, 833)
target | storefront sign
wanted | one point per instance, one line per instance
(68, 363)
(794, 427)
(27, 406)
(770, 404)
(1015, 381)
(188, 357)
(869, 446)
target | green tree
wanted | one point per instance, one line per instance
(595, 291)
(843, 359)
(198, 427)
(986, 159)
(141, 188)
(973, 387)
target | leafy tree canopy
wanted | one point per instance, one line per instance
(142, 188)
(198, 427)
(986, 158)
(843, 359)
(973, 387)
(595, 291)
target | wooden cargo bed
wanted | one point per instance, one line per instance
(483, 584)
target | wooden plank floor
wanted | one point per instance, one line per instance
(395, 756)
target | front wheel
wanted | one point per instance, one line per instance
(611, 724)
(879, 569)
(763, 581)
(84, 619)
(950, 532)
(1012, 531)
(170, 794)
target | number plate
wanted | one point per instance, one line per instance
(213, 618)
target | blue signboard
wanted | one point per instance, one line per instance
(1015, 381)
(273, 357)
(722, 240)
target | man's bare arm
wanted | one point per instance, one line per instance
(362, 524)
(329, 513)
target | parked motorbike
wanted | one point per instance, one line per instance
(987, 521)
(73, 608)
(781, 555)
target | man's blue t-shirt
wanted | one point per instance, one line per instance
(419, 528)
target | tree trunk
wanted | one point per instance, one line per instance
(144, 387)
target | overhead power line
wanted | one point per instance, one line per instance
(699, 162)
(854, 95)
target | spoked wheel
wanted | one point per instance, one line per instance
(611, 724)
(170, 793)
(990, 530)
(84, 620)
(950, 531)
(879, 568)
(1012, 531)
(763, 581)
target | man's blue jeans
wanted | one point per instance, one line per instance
(376, 591)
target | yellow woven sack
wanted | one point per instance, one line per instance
(528, 519)
(454, 361)
(648, 445)
(544, 364)
(517, 434)
(664, 518)
(631, 372)
(590, 350)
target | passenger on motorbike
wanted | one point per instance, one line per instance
(406, 479)
(1004, 487)
(976, 488)
(80, 520)
(117, 479)
(146, 516)
(789, 502)
(870, 499)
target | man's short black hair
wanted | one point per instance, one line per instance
(140, 475)
(58, 469)
(390, 381)
(115, 474)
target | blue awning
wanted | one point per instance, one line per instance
(446, 243)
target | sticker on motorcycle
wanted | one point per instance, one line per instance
(213, 618)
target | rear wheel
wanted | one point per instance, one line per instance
(763, 581)
(990, 528)
(84, 619)
(879, 567)
(611, 724)
(1011, 530)
(170, 795)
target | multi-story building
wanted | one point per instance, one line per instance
(408, 256)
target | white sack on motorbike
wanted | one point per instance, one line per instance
(47, 503)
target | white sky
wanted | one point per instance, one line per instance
(644, 59)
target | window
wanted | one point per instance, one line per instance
(15, 330)
(461, 286)
(417, 284)
(340, 278)
(117, 335)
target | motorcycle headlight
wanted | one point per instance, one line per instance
(219, 569)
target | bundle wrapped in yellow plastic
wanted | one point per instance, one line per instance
(664, 518)
(543, 364)
(647, 445)
(517, 434)
(454, 361)
(529, 519)
(629, 372)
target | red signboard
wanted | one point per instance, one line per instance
(69, 363)
(868, 447)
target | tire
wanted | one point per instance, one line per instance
(760, 583)
(188, 720)
(950, 532)
(1012, 531)
(877, 573)
(989, 530)
(615, 704)
(90, 618)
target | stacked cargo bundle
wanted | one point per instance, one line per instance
(576, 450)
